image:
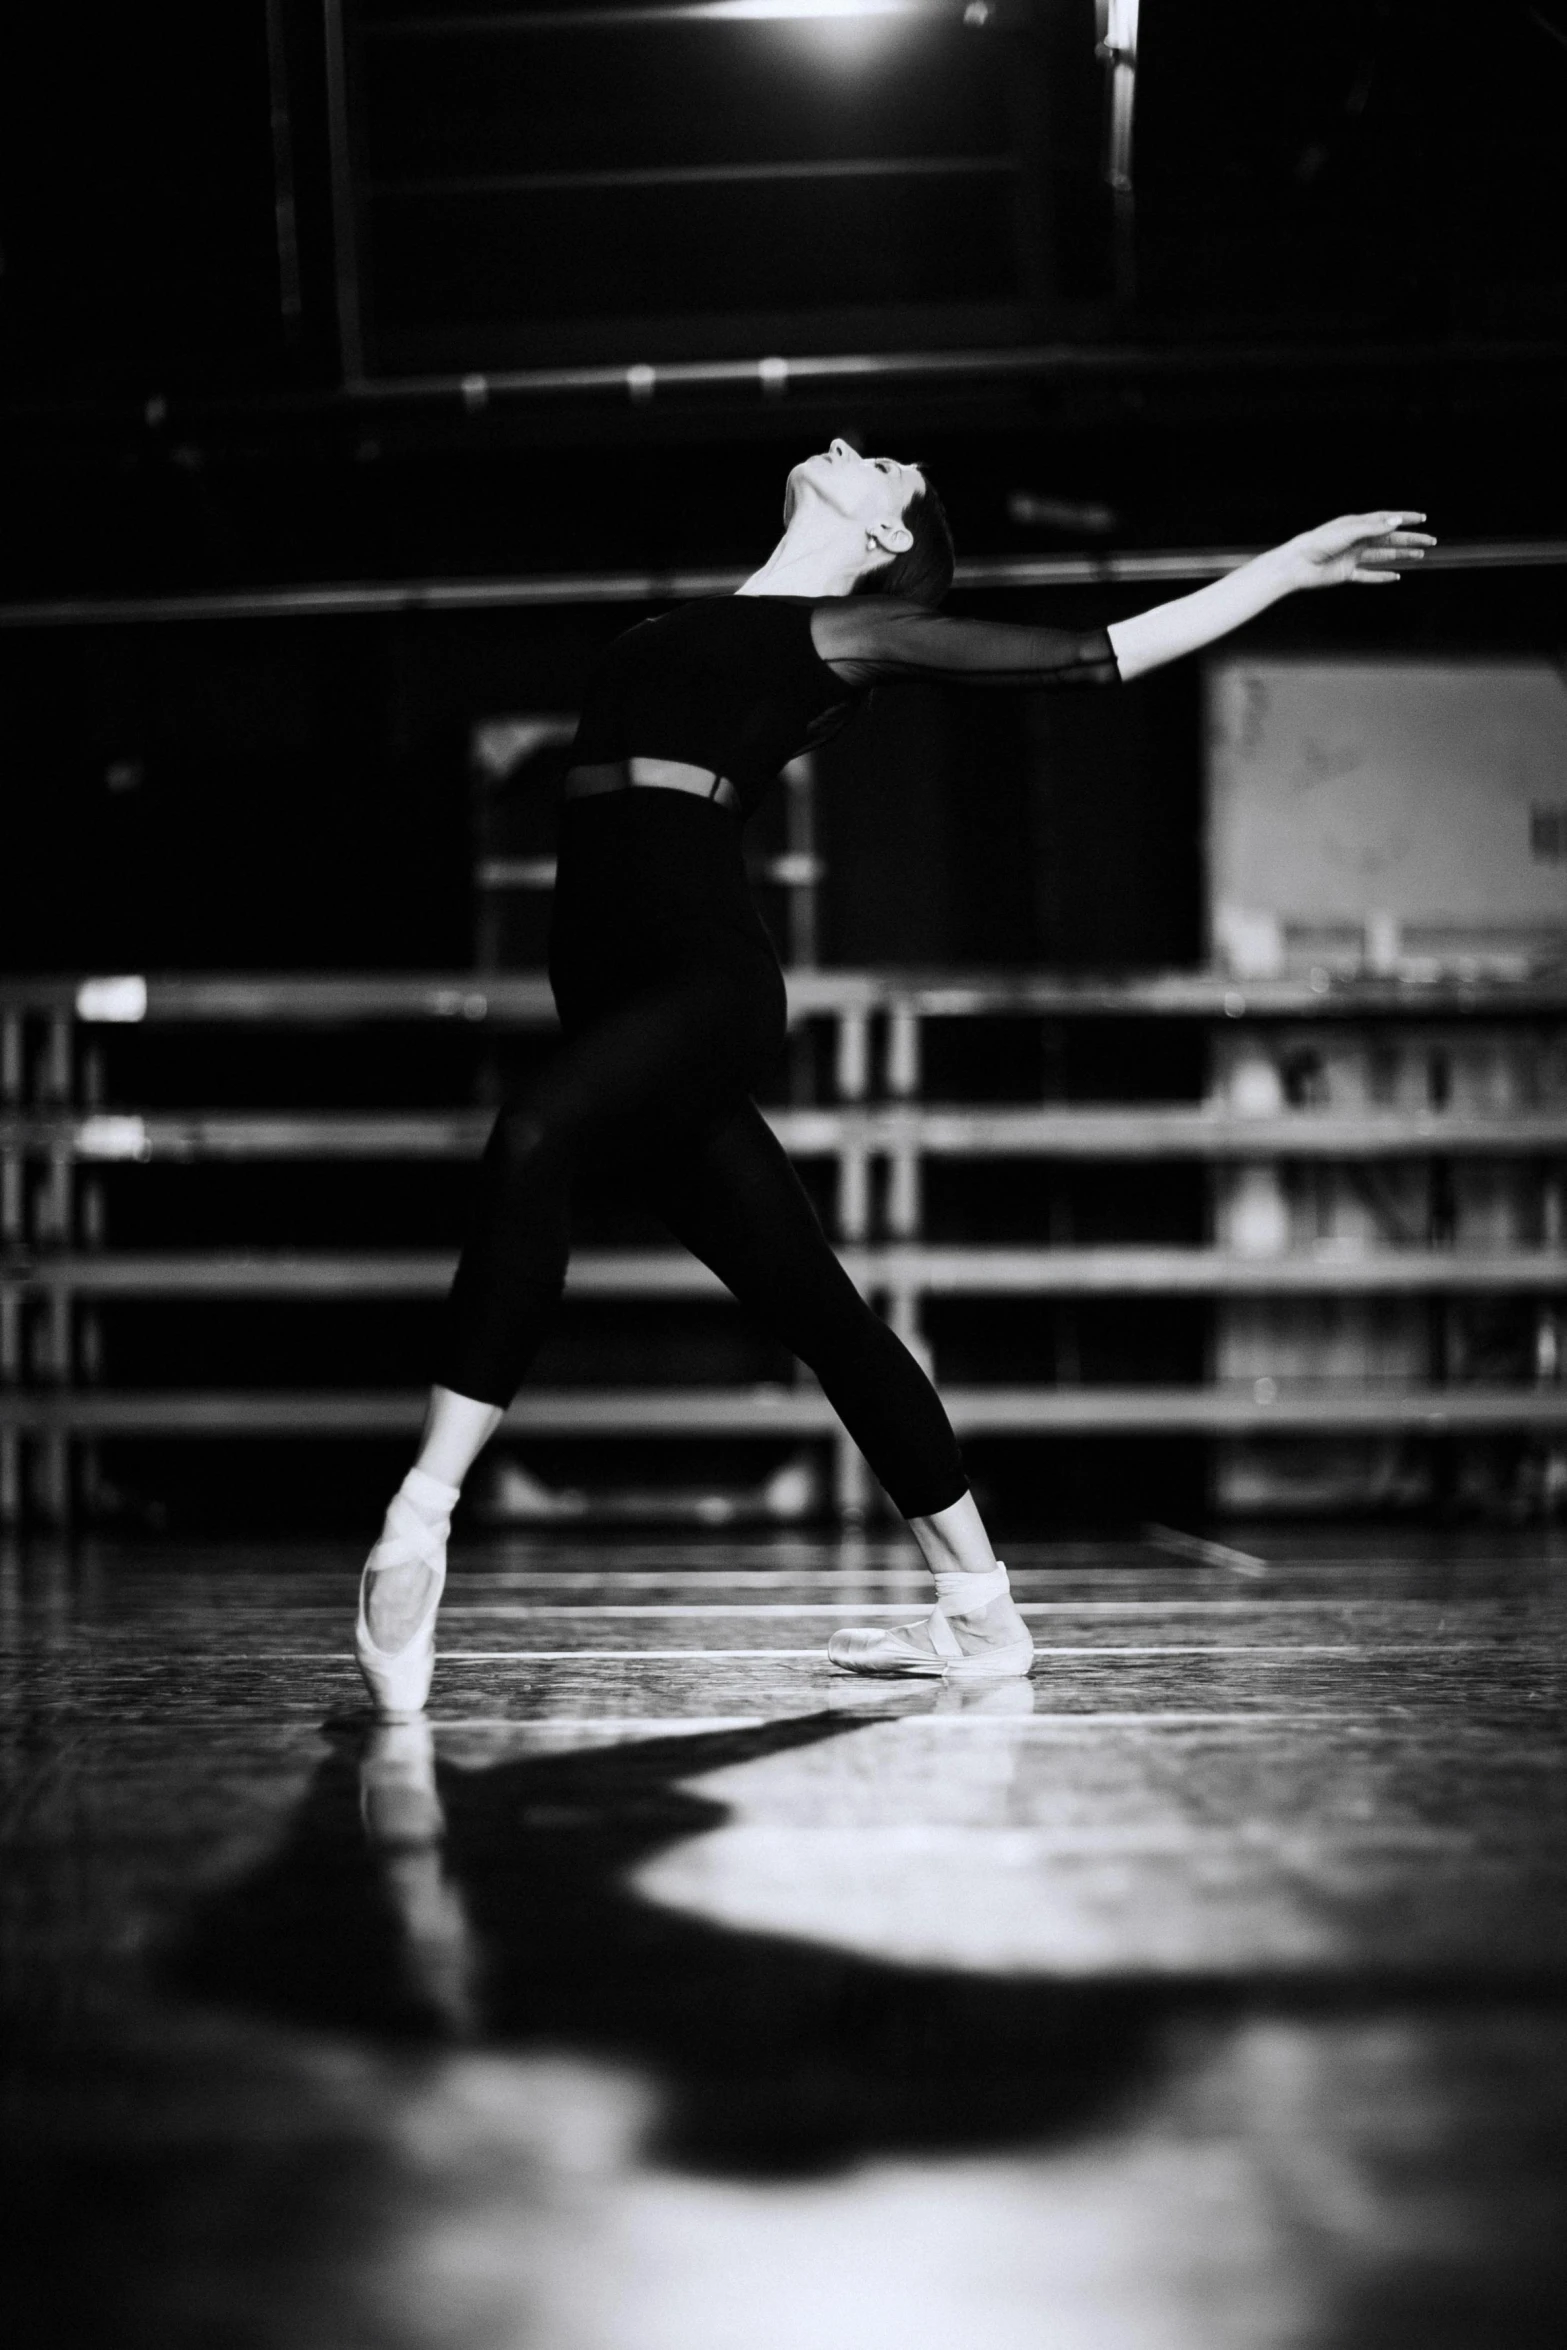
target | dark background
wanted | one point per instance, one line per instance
(231, 360)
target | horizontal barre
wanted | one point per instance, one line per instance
(921, 1271)
(1152, 1131)
(1470, 361)
(523, 999)
(1256, 1408)
(1203, 1272)
(1155, 1131)
(640, 383)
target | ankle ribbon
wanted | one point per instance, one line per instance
(415, 1535)
(958, 1594)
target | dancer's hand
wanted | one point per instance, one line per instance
(1364, 550)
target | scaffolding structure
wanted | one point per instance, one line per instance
(880, 1136)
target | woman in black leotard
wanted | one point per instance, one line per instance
(672, 1008)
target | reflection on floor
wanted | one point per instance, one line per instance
(668, 1991)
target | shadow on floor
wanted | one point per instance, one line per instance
(517, 1927)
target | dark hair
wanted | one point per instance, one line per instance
(922, 573)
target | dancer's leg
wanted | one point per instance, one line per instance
(456, 1430)
(655, 1063)
(508, 1282)
(656, 1067)
(737, 1203)
(954, 1540)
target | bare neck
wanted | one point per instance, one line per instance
(809, 560)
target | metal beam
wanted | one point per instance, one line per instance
(1128, 1271)
(345, 220)
(519, 999)
(699, 175)
(1256, 1408)
(1429, 367)
(351, 599)
(284, 203)
(1139, 1131)
(614, 18)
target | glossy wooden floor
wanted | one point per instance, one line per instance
(676, 1993)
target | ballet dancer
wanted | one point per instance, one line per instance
(671, 1004)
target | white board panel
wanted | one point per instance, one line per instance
(1420, 792)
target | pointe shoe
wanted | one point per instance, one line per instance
(893, 1655)
(399, 1680)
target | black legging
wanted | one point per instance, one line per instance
(673, 1008)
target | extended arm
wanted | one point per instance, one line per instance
(1364, 549)
(873, 640)
(869, 640)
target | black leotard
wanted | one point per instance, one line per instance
(740, 685)
(673, 1007)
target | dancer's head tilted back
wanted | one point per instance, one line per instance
(922, 572)
(876, 524)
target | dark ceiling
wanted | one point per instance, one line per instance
(248, 266)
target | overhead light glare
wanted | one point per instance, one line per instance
(757, 9)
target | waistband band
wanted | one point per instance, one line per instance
(644, 774)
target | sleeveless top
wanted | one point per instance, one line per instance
(735, 684)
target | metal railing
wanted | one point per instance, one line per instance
(350, 599)
(878, 1134)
